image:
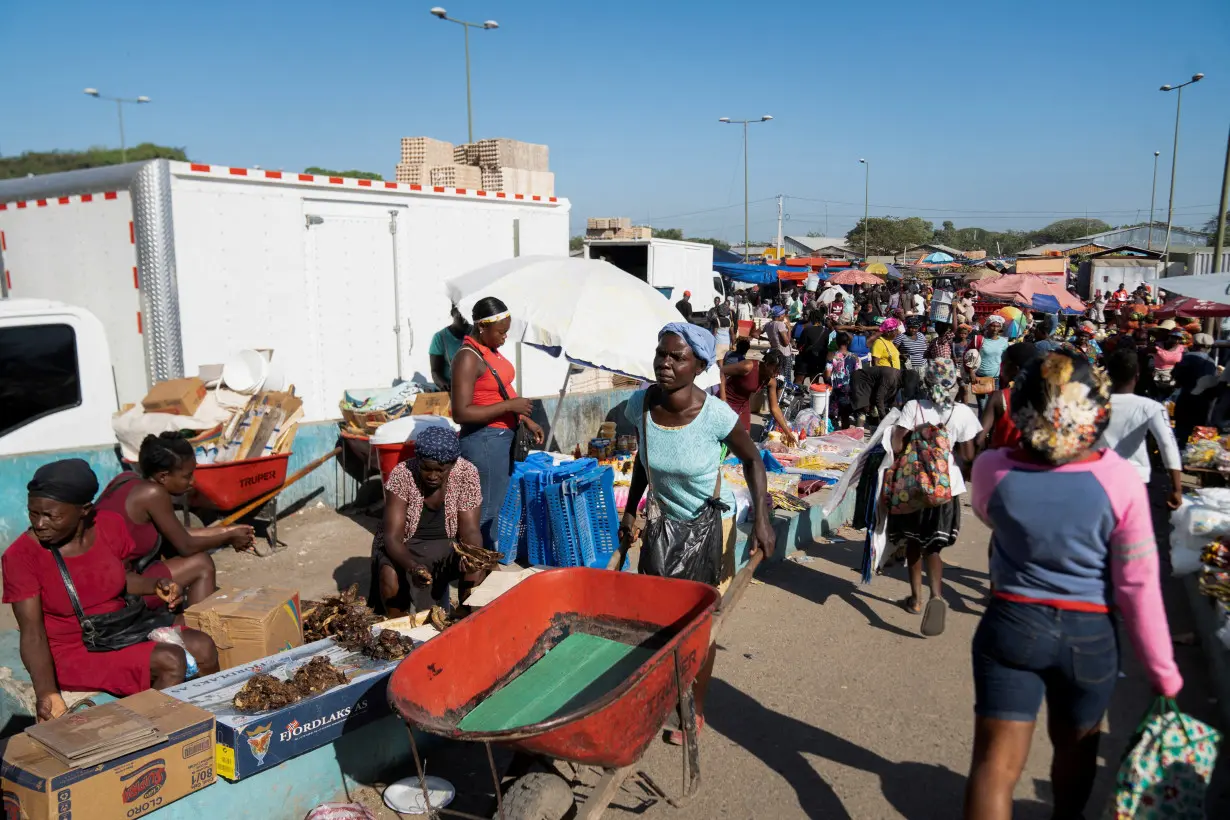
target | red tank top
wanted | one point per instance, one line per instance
(739, 392)
(1004, 433)
(114, 499)
(486, 389)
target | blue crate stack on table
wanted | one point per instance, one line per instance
(559, 515)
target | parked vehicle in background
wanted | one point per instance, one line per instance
(670, 266)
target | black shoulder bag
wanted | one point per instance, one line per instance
(691, 550)
(523, 441)
(113, 630)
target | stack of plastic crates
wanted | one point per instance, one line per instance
(559, 515)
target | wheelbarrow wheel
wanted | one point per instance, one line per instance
(538, 796)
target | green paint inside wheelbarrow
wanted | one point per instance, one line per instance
(578, 670)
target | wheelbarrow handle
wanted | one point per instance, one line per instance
(737, 587)
(242, 511)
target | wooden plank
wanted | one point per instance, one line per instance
(578, 670)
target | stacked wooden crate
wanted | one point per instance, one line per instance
(457, 176)
(418, 156)
(499, 165)
(616, 227)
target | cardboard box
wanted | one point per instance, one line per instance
(248, 624)
(181, 397)
(39, 787)
(251, 743)
(431, 404)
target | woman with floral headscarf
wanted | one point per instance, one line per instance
(926, 532)
(1086, 344)
(1069, 525)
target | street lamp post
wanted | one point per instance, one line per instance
(866, 200)
(119, 109)
(744, 123)
(489, 24)
(1174, 161)
(1152, 199)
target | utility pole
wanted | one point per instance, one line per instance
(1152, 199)
(780, 253)
(1174, 162)
(1219, 244)
(729, 121)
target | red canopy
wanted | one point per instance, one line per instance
(1023, 287)
(855, 277)
(792, 275)
(1195, 308)
(809, 261)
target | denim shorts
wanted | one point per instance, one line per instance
(1026, 652)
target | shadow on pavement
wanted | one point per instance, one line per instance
(919, 791)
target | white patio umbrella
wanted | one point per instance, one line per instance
(586, 310)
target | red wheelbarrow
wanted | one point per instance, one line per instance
(441, 685)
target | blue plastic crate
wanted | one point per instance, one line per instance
(523, 517)
(584, 521)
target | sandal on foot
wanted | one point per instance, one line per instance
(933, 618)
(675, 736)
(910, 604)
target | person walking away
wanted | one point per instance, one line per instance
(924, 534)
(443, 348)
(720, 322)
(778, 335)
(748, 377)
(682, 432)
(1165, 357)
(997, 427)
(1192, 405)
(146, 504)
(872, 389)
(991, 350)
(69, 538)
(813, 348)
(840, 368)
(1071, 526)
(486, 405)
(684, 305)
(430, 501)
(1133, 418)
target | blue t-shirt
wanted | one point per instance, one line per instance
(992, 351)
(445, 344)
(685, 460)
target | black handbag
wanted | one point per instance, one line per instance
(113, 630)
(691, 550)
(523, 440)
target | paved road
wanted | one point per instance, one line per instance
(827, 703)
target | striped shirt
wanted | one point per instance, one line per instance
(913, 346)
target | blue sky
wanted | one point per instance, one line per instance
(1003, 115)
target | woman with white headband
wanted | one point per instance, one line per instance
(486, 405)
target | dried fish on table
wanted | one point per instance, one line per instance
(440, 619)
(338, 615)
(389, 645)
(265, 692)
(316, 676)
(475, 559)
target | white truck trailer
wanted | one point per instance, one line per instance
(184, 264)
(669, 265)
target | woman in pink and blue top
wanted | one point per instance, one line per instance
(1072, 539)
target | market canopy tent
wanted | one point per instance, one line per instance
(756, 274)
(878, 268)
(1029, 291)
(1193, 308)
(855, 277)
(1212, 287)
(937, 258)
(588, 311)
(981, 274)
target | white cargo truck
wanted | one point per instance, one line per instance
(184, 264)
(669, 265)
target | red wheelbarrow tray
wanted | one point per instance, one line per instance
(440, 682)
(232, 484)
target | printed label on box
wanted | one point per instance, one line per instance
(224, 759)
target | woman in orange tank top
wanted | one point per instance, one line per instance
(487, 415)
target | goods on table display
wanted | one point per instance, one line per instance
(1200, 543)
(387, 645)
(365, 410)
(440, 619)
(264, 692)
(476, 559)
(345, 617)
(1207, 450)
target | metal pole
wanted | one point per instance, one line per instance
(559, 405)
(469, 109)
(745, 216)
(866, 201)
(1220, 244)
(780, 253)
(119, 109)
(396, 294)
(1152, 199)
(1174, 163)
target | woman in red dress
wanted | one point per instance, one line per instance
(168, 463)
(95, 546)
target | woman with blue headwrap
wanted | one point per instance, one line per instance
(682, 430)
(430, 501)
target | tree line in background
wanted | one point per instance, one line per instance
(51, 162)
(888, 235)
(577, 242)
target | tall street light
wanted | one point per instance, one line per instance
(744, 123)
(866, 201)
(489, 24)
(119, 109)
(1152, 198)
(1174, 159)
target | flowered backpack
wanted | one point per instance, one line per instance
(1167, 767)
(918, 477)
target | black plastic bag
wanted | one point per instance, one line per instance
(691, 550)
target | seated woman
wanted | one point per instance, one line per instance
(430, 501)
(167, 463)
(95, 546)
